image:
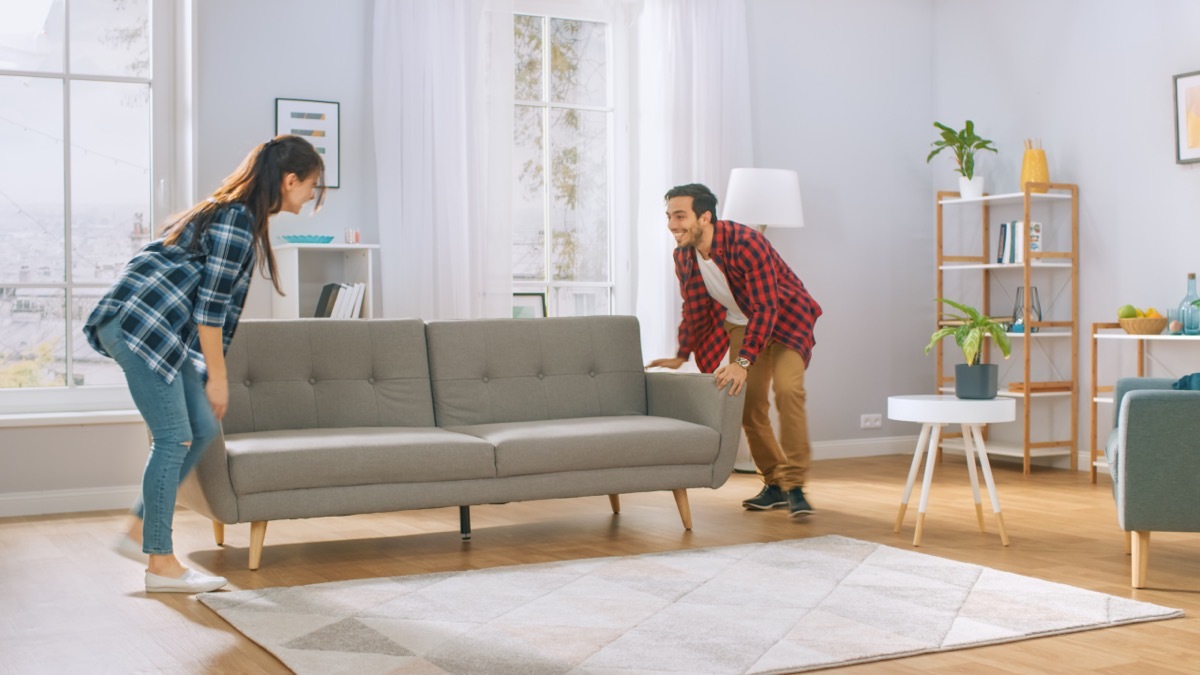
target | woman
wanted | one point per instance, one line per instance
(169, 319)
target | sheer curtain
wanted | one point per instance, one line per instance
(693, 126)
(442, 84)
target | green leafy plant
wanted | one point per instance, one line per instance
(968, 331)
(964, 143)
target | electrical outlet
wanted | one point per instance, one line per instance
(871, 421)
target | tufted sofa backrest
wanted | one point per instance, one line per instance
(515, 370)
(327, 373)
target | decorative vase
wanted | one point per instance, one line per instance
(980, 381)
(970, 188)
(1034, 169)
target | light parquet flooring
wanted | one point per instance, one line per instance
(69, 605)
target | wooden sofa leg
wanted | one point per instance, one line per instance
(1141, 557)
(1128, 545)
(219, 532)
(464, 522)
(615, 500)
(685, 510)
(258, 534)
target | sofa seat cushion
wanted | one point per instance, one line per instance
(267, 461)
(589, 443)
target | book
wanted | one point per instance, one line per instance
(356, 301)
(325, 302)
(1002, 245)
(339, 307)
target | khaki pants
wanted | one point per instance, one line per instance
(782, 462)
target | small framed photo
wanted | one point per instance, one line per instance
(318, 122)
(1187, 118)
(529, 305)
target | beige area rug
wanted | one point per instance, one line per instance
(779, 607)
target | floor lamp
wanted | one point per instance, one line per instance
(762, 197)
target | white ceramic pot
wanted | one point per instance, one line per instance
(970, 188)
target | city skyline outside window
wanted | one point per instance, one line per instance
(75, 113)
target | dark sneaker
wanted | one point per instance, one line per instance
(771, 497)
(797, 504)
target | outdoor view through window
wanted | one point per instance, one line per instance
(74, 180)
(561, 164)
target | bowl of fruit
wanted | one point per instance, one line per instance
(1138, 322)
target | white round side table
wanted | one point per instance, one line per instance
(933, 411)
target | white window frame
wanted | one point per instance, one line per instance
(618, 199)
(172, 179)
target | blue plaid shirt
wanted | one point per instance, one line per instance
(166, 291)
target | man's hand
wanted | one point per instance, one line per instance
(217, 391)
(733, 375)
(672, 363)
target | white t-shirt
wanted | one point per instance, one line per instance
(718, 289)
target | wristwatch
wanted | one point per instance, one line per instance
(742, 361)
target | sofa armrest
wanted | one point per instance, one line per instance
(694, 397)
(209, 489)
(1158, 461)
(1128, 384)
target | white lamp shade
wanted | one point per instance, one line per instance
(764, 197)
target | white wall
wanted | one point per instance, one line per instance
(842, 93)
(1093, 80)
(249, 54)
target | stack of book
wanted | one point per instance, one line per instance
(1011, 245)
(341, 301)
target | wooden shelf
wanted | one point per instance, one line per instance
(1060, 255)
(1002, 449)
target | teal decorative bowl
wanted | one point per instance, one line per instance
(308, 238)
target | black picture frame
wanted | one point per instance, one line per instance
(319, 123)
(529, 305)
(1187, 118)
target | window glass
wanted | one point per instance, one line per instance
(31, 35)
(110, 37)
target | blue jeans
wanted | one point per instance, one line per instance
(181, 424)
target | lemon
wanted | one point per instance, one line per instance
(1152, 313)
(1127, 312)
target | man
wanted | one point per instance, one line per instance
(739, 294)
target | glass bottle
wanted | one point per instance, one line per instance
(1189, 314)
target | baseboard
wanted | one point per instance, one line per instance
(67, 501)
(864, 447)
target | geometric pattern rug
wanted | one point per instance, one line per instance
(779, 607)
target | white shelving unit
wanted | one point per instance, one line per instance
(304, 269)
(1103, 394)
(1037, 335)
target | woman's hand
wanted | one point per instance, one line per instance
(217, 391)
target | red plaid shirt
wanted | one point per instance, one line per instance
(765, 288)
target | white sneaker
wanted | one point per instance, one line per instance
(191, 582)
(126, 546)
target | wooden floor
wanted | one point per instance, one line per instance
(68, 604)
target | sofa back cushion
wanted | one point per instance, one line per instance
(514, 370)
(327, 373)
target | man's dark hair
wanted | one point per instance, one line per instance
(702, 198)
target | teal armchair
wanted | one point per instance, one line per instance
(1153, 456)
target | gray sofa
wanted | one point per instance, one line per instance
(330, 418)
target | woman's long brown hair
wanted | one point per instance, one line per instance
(257, 184)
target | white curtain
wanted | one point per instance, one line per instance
(693, 126)
(442, 85)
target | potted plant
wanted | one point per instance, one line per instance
(972, 379)
(965, 144)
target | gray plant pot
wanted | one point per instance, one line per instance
(979, 381)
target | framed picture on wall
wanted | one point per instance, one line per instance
(319, 123)
(1187, 118)
(529, 305)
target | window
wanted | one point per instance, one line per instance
(77, 105)
(562, 163)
